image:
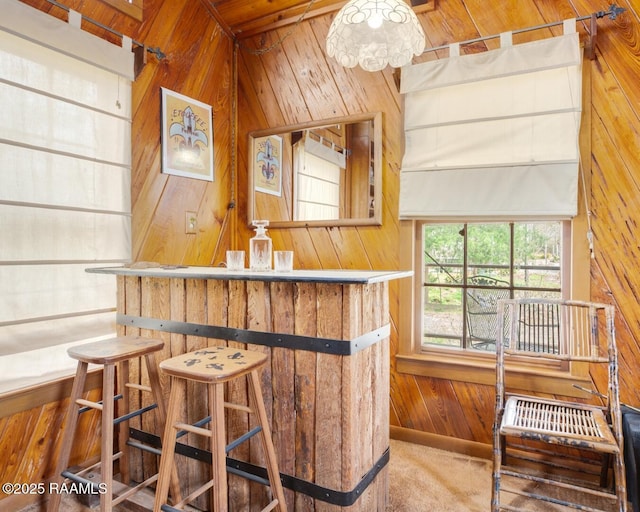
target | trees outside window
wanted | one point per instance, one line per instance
(467, 267)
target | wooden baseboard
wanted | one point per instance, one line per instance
(450, 444)
(41, 394)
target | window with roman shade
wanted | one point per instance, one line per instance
(65, 165)
(494, 135)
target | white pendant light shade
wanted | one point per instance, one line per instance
(374, 33)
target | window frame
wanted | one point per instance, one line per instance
(473, 366)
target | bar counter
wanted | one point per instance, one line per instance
(326, 388)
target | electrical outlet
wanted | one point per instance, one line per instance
(190, 223)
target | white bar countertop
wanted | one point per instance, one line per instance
(221, 273)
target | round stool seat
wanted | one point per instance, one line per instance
(114, 350)
(213, 364)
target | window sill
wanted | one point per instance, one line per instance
(480, 369)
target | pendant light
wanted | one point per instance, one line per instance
(374, 33)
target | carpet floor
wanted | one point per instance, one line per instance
(424, 479)
(421, 479)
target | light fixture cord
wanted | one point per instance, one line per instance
(261, 51)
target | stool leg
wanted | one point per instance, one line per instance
(168, 445)
(161, 416)
(106, 457)
(270, 454)
(123, 427)
(71, 420)
(219, 492)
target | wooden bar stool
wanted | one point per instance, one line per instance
(111, 353)
(214, 366)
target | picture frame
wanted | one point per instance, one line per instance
(187, 137)
(267, 164)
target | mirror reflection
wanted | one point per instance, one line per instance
(318, 173)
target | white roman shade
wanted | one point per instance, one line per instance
(494, 136)
(316, 186)
(325, 149)
(65, 200)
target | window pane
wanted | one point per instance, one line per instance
(489, 250)
(499, 261)
(537, 248)
(443, 253)
(442, 323)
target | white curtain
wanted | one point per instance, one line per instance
(494, 135)
(65, 165)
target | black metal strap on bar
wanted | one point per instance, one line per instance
(259, 474)
(270, 339)
(315, 491)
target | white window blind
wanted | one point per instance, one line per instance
(65, 165)
(317, 186)
(494, 135)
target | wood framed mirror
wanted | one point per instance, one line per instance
(320, 173)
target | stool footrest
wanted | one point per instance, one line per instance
(144, 447)
(77, 478)
(200, 490)
(198, 423)
(239, 407)
(271, 506)
(89, 403)
(248, 476)
(139, 387)
(85, 409)
(132, 490)
(243, 438)
(194, 430)
(133, 414)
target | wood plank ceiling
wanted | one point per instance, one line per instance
(246, 18)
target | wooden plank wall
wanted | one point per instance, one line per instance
(296, 82)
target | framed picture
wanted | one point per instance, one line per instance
(267, 164)
(187, 137)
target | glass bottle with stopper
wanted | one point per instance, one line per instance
(260, 247)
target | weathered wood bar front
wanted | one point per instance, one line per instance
(326, 388)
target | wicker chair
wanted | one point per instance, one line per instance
(548, 449)
(482, 310)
